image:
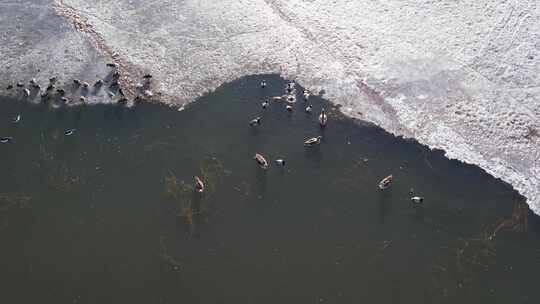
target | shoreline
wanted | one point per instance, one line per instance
(442, 103)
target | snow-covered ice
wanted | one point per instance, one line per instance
(462, 76)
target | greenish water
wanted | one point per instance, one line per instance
(108, 214)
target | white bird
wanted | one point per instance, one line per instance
(255, 121)
(69, 132)
(261, 161)
(265, 104)
(309, 109)
(323, 119)
(313, 141)
(280, 162)
(26, 92)
(5, 140)
(289, 108)
(263, 84)
(417, 199)
(17, 118)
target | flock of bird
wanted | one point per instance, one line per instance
(289, 97)
(52, 92)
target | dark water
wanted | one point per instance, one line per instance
(103, 216)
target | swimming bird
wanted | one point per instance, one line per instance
(255, 121)
(288, 108)
(291, 99)
(5, 140)
(77, 82)
(265, 104)
(261, 161)
(313, 141)
(277, 98)
(26, 92)
(306, 95)
(323, 118)
(309, 109)
(280, 162)
(263, 84)
(64, 100)
(17, 118)
(199, 185)
(417, 199)
(290, 87)
(385, 182)
(69, 132)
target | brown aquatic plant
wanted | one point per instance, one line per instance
(518, 221)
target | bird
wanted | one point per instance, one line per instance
(290, 87)
(9, 87)
(147, 76)
(309, 108)
(112, 65)
(291, 99)
(323, 118)
(199, 185)
(261, 160)
(148, 93)
(82, 99)
(313, 141)
(69, 132)
(385, 182)
(263, 84)
(277, 98)
(306, 95)
(26, 92)
(417, 199)
(265, 104)
(6, 139)
(17, 118)
(85, 85)
(288, 108)
(280, 162)
(255, 121)
(20, 84)
(60, 92)
(64, 100)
